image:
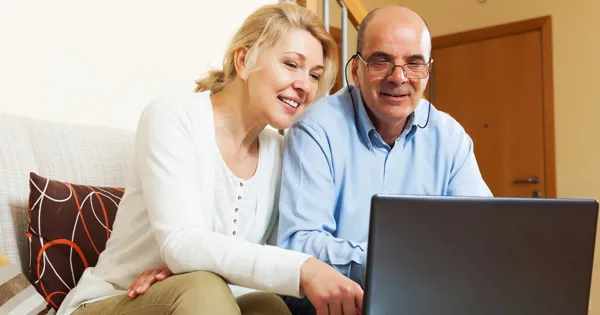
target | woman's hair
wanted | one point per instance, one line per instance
(260, 31)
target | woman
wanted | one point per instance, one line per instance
(204, 185)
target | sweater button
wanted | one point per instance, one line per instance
(237, 209)
(239, 197)
(233, 232)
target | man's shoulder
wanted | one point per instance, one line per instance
(331, 110)
(440, 121)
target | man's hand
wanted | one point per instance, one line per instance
(330, 292)
(146, 279)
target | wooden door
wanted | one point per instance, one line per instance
(495, 83)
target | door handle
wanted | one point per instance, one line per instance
(529, 180)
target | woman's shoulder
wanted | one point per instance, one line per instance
(184, 119)
(190, 112)
(193, 105)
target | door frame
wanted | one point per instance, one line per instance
(544, 25)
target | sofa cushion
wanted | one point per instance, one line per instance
(17, 295)
(75, 153)
(69, 225)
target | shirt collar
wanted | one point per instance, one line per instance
(365, 125)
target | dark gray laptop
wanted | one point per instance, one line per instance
(479, 256)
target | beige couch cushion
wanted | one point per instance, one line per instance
(80, 154)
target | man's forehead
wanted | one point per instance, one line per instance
(398, 41)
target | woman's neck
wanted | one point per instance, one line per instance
(236, 120)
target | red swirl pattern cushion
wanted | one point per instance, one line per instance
(69, 225)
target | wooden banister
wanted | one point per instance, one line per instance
(310, 4)
(356, 9)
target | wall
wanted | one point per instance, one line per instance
(101, 62)
(576, 67)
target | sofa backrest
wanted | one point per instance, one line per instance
(78, 154)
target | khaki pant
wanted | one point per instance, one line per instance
(198, 293)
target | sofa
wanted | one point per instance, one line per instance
(89, 155)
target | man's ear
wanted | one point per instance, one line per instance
(354, 71)
(239, 60)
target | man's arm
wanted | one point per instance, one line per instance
(307, 204)
(466, 179)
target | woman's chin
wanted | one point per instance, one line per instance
(282, 121)
(280, 125)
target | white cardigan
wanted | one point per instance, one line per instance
(168, 208)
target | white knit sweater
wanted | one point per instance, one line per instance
(168, 211)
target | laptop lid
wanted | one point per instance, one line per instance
(492, 256)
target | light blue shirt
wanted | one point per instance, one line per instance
(335, 161)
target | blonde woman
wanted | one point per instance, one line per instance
(202, 195)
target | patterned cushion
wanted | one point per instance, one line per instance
(69, 225)
(17, 295)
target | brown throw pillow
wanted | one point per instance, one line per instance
(69, 225)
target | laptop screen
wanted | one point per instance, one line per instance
(449, 255)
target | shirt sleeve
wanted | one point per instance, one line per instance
(170, 177)
(466, 179)
(307, 219)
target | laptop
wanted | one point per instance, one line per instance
(479, 256)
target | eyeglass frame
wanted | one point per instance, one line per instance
(428, 64)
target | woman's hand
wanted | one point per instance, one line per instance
(330, 292)
(146, 279)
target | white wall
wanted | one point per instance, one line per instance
(101, 62)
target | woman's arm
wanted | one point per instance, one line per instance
(172, 183)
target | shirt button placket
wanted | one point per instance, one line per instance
(237, 209)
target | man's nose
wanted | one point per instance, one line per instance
(397, 77)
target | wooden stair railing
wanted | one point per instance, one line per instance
(309, 4)
(356, 9)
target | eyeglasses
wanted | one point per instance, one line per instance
(385, 68)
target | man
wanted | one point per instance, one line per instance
(378, 136)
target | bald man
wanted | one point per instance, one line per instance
(377, 136)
